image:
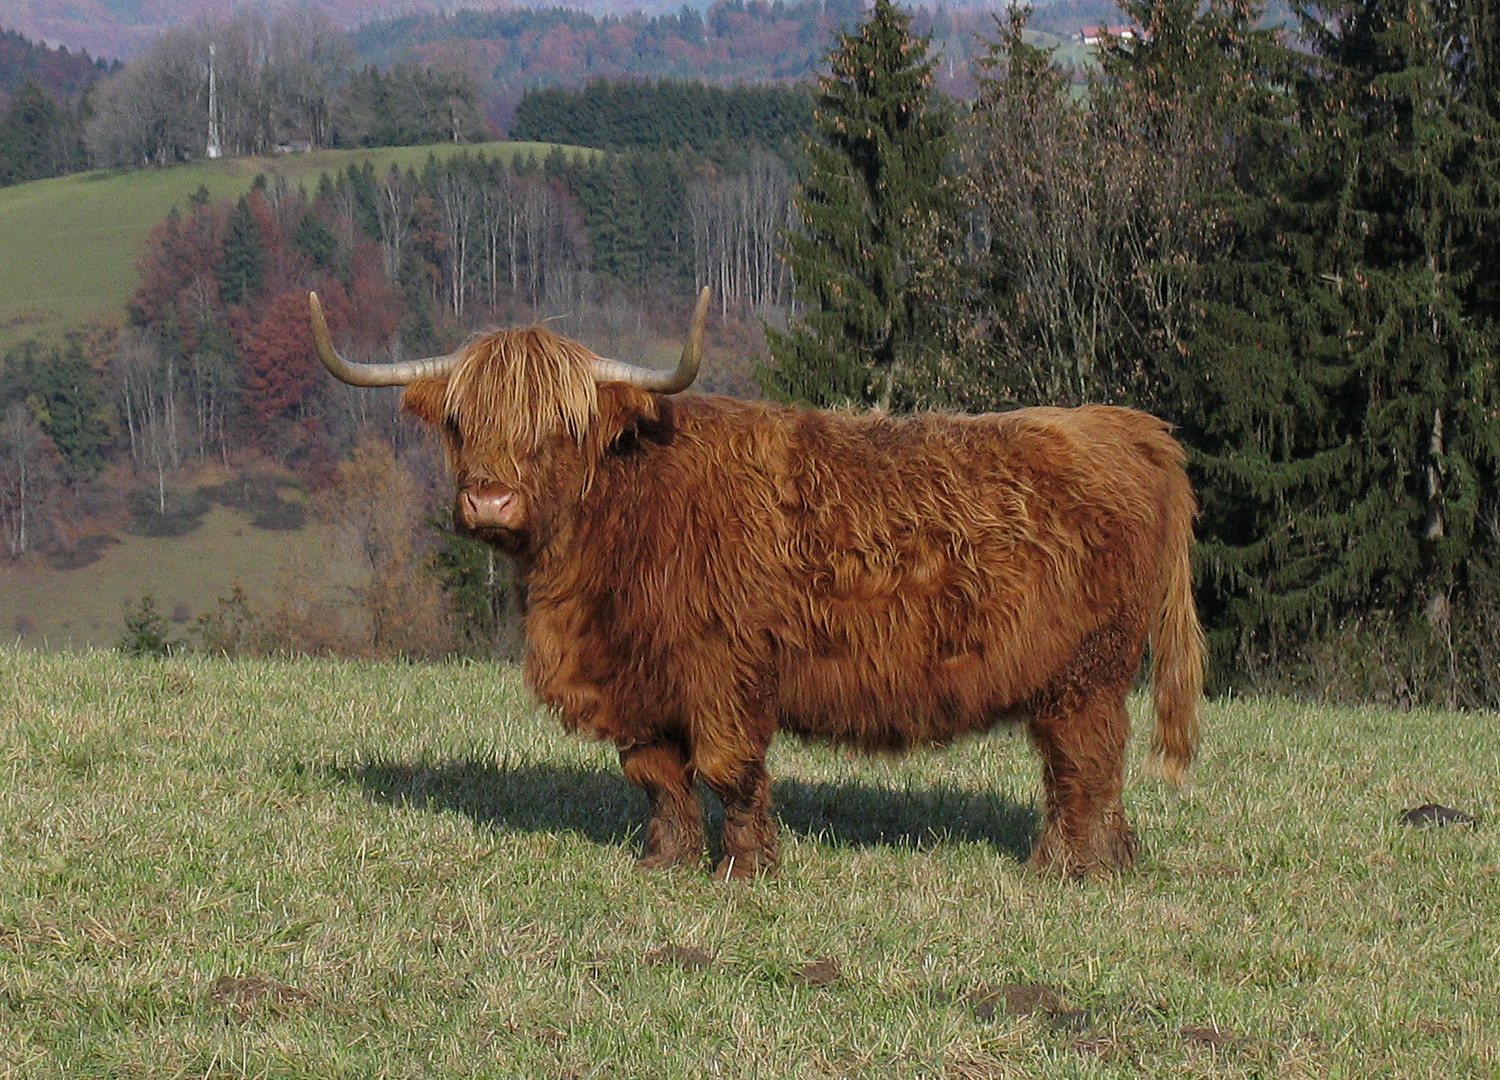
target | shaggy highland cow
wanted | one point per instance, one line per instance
(703, 572)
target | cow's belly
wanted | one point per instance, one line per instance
(890, 706)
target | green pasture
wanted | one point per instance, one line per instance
(216, 868)
(69, 246)
(1065, 51)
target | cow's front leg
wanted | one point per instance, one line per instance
(752, 844)
(674, 835)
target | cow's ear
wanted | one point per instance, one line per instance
(629, 418)
(425, 399)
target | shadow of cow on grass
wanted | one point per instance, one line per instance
(604, 807)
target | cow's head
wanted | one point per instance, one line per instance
(526, 417)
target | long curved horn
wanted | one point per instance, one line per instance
(663, 382)
(398, 374)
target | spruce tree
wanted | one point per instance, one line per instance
(313, 238)
(147, 632)
(243, 266)
(878, 227)
(64, 395)
(1344, 403)
(28, 133)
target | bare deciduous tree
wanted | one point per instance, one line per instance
(153, 112)
(28, 476)
(459, 204)
(499, 225)
(274, 83)
(553, 248)
(148, 393)
(212, 386)
(737, 224)
(307, 58)
(394, 196)
(1084, 216)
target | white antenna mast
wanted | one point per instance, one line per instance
(214, 149)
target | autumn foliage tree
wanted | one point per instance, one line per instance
(177, 291)
(222, 301)
(394, 604)
(281, 370)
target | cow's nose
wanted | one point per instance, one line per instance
(488, 508)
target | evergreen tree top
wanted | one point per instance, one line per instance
(877, 211)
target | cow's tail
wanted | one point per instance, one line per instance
(1177, 646)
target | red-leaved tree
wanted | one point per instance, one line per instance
(281, 368)
(179, 288)
(375, 307)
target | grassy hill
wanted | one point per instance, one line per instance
(215, 868)
(46, 607)
(69, 246)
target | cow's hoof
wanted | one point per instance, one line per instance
(1109, 848)
(1082, 864)
(1056, 864)
(669, 860)
(743, 868)
(1067, 869)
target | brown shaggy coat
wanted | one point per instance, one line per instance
(702, 572)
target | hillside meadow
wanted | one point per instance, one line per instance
(44, 606)
(216, 868)
(68, 246)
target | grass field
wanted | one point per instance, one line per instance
(318, 869)
(68, 247)
(49, 608)
(1066, 52)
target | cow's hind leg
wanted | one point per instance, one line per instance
(1081, 727)
(752, 845)
(674, 835)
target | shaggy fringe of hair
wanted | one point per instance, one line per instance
(515, 388)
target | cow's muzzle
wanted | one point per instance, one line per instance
(489, 512)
